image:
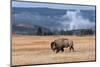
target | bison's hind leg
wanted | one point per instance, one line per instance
(71, 48)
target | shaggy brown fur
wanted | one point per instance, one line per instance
(59, 45)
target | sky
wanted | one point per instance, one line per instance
(56, 6)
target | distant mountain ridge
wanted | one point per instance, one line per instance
(28, 29)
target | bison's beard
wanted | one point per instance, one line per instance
(53, 46)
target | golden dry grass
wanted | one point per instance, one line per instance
(36, 50)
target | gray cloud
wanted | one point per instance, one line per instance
(69, 21)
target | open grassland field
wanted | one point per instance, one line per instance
(37, 50)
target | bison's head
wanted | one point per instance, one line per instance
(53, 46)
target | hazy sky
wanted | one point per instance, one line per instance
(56, 6)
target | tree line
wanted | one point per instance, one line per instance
(70, 32)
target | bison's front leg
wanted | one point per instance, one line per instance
(57, 50)
(62, 49)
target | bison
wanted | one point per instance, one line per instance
(59, 45)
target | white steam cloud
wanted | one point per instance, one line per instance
(76, 21)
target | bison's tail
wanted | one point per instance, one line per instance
(52, 45)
